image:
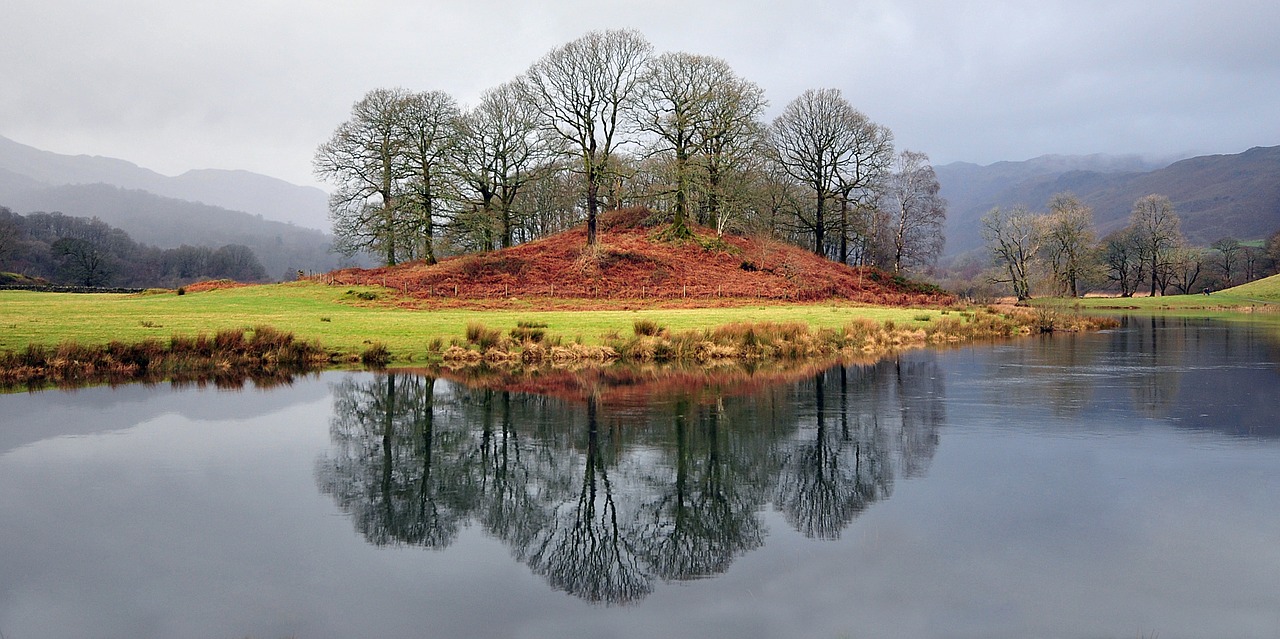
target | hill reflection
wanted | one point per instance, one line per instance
(604, 489)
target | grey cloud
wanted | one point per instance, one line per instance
(175, 86)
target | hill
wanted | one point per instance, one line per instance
(1266, 289)
(632, 262)
(1234, 195)
(283, 249)
(256, 194)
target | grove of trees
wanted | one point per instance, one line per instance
(603, 122)
(1057, 253)
(63, 249)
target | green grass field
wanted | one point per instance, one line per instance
(342, 322)
(1263, 294)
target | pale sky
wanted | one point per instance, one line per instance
(257, 84)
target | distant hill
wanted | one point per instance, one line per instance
(1217, 195)
(252, 193)
(283, 223)
(283, 249)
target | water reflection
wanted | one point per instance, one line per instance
(151, 511)
(603, 500)
(1187, 372)
(392, 470)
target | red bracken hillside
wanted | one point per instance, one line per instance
(632, 263)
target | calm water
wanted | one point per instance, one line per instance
(1123, 484)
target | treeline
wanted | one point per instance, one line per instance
(88, 252)
(602, 123)
(1057, 253)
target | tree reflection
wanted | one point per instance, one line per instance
(834, 471)
(586, 551)
(702, 511)
(389, 468)
(604, 502)
(503, 476)
(1156, 390)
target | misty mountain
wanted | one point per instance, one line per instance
(252, 193)
(283, 249)
(1215, 195)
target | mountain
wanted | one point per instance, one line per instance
(252, 193)
(1216, 195)
(283, 249)
(283, 223)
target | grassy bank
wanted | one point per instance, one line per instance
(347, 321)
(70, 339)
(1259, 296)
(229, 356)
(649, 341)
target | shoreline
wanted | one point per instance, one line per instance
(267, 354)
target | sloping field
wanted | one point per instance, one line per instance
(1266, 289)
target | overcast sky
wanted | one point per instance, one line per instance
(174, 85)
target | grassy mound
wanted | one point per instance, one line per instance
(1266, 289)
(637, 259)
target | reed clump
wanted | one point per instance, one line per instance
(527, 332)
(376, 356)
(482, 336)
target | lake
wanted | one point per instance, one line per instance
(1117, 484)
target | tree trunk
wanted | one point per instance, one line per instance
(593, 205)
(819, 227)
(844, 230)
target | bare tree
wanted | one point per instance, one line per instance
(1228, 249)
(237, 261)
(551, 201)
(1123, 260)
(1188, 263)
(85, 261)
(677, 92)
(498, 155)
(1157, 232)
(10, 232)
(365, 160)
(821, 141)
(1067, 241)
(585, 92)
(776, 199)
(732, 143)
(704, 118)
(917, 211)
(1013, 237)
(1253, 261)
(860, 183)
(429, 125)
